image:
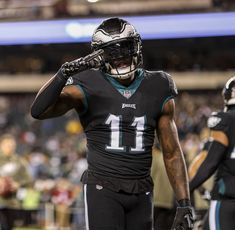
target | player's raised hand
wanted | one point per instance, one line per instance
(184, 218)
(93, 60)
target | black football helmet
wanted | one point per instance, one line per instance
(121, 45)
(228, 92)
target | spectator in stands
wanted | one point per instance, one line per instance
(62, 197)
(13, 175)
(163, 195)
(31, 199)
(61, 9)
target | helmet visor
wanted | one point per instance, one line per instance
(120, 53)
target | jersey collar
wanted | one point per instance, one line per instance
(127, 91)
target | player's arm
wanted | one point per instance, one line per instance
(195, 164)
(213, 158)
(54, 99)
(172, 152)
(175, 167)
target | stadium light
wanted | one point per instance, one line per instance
(92, 1)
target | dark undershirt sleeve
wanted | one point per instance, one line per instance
(48, 95)
(209, 165)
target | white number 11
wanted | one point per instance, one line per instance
(116, 136)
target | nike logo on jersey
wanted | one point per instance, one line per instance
(132, 106)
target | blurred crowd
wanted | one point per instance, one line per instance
(55, 153)
(192, 54)
(50, 9)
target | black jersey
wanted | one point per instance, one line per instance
(225, 176)
(120, 123)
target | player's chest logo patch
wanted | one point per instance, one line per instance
(127, 93)
(213, 121)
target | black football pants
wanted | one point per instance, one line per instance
(221, 215)
(7, 217)
(108, 210)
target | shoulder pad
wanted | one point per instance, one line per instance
(172, 84)
(77, 79)
(167, 77)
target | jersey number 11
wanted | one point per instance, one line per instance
(116, 136)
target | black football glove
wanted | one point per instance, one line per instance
(93, 60)
(184, 218)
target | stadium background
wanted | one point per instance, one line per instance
(55, 148)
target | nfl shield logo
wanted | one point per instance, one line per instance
(127, 93)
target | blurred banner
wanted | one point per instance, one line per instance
(150, 27)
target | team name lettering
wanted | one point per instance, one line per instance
(128, 106)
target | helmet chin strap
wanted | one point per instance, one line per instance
(126, 76)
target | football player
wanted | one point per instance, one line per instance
(120, 105)
(221, 158)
